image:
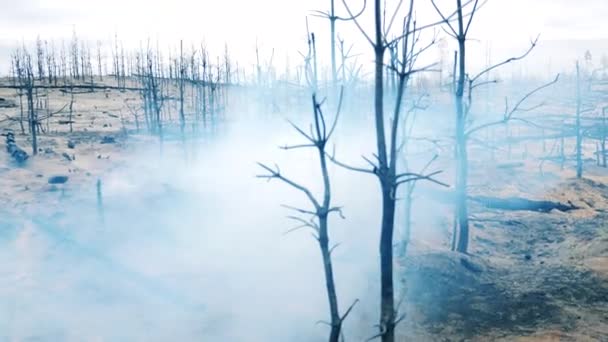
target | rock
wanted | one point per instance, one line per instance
(59, 179)
(71, 144)
(67, 156)
(527, 257)
(4, 103)
(108, 140)
(49, 150)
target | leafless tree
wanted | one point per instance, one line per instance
(385, 165)
(464, 85)
(317, 217)
(579, 135)
(333, 18)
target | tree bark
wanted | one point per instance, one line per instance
(387, 300)
(462, 219)
(579, 137)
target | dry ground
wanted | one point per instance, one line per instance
(530, 276)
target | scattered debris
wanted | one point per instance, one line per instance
(518, 203)
(67, 156)
(18, 154)
(60, 179)
(108, 140)
(4, 103)
(510, 165)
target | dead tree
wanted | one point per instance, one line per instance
(603, 138)
(40, 59)
(99, 58)
(75, 56)
(465, 85)
(385, 166)
(182, 76)
(27, 85)
(349, 72)
(407, 127)
(317, 217)
(579, 135)
(333, 18)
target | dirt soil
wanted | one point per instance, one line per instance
(530, 276)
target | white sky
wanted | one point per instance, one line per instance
(506, 25)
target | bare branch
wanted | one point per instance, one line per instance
(333, 126)
(509, 114)
(350, 308)
(354, 19)
(301, 131)
(507, 61)
(302, 211)
(518, 104)
(483, 83)
(416, 177)
(348, 167)
(277, 174)
(293, 147)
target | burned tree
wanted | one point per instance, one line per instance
(385, 166)
(333, 18)
(579, 135)
(26, 84)
(317, 217)
(464, 84)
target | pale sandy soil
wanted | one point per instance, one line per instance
(531, 276)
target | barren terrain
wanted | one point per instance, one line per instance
(530, 276)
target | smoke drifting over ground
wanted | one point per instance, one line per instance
(193, 249)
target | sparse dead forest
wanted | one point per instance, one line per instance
(448, 199)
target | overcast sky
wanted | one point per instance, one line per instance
(505, 25)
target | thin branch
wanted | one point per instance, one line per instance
(350, 308)
(302, 211)
(507, 61)
(417, 177)
(354, 19)
(277, 174)
(293, 147)
(309, 137)
(348, 167)
(333, 126)
(509, 114)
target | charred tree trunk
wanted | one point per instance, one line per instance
(319, 137)
(182, 72)
(579, 136)
(387, 292)
(603, 142)
(462, 219)
(332, 28)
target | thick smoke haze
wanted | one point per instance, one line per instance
(191, 244)
(196, 248)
